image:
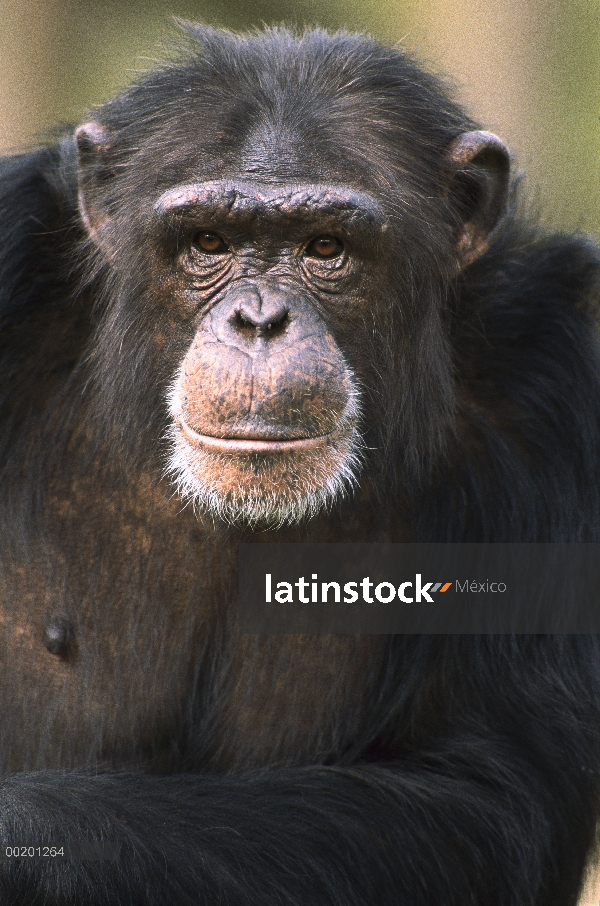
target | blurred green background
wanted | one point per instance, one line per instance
(527, 69)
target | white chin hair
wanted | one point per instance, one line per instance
(250, 503)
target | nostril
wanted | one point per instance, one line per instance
(275, 327)
(264, 319)
(278, 320)
(240, 317)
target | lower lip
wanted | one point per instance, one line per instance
(237, 445)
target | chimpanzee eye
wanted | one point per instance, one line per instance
(210, 243)
(324, 247)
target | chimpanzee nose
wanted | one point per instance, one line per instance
(262, 310)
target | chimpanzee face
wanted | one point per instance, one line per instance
(299, 300)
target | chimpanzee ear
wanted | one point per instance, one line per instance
(95, 173)
(480, 168)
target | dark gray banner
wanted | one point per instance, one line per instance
(419, 588)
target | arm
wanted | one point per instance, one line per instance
(427, 831)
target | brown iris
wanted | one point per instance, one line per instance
(211, 243)
(325, 247)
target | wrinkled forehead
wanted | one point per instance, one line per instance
(245, 199)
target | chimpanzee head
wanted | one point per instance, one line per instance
(279, 222)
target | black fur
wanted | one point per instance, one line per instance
(460, 769)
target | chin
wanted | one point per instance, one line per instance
(264, 483)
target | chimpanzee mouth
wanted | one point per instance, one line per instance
(260, 473)
(255, 444)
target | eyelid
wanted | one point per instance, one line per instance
(222, 247)
(338, 251)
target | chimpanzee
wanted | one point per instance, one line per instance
(281, 289)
